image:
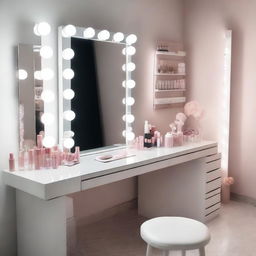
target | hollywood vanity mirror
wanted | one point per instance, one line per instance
(94, 89)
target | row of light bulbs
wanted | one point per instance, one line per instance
(46, 52)
(43, 29)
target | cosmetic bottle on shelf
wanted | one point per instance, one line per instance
(48, 158)
(21, 160)
(11, 162)
(37, 158)
(31, 159)
(77, 154)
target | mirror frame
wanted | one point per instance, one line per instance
(64, 42)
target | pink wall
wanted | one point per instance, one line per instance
(205, 22)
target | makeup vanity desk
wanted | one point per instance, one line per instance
(182, 181)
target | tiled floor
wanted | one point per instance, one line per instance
(233, 234)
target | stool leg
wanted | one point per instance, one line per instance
(202, 251)
(149, 251)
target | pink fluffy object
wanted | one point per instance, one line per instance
(193, 108)
(228, 181)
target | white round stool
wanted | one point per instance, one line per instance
(174, 233)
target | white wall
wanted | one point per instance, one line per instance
(205, 22)
(149, 19)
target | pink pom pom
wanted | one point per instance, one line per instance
(193, 108)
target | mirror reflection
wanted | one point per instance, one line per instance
(97, 90)
(31, 105)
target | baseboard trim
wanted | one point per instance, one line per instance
(107, 213)
(242, 198)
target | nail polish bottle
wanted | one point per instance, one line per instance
(11, 162)
(42, 158)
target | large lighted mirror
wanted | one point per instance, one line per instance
(31, 105)
(94, 88)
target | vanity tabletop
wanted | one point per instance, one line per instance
(50, 183)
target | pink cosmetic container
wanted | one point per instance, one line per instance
(77, 155)
(55, 160)
(48, 158)
(21, 160)
(39, 139)
(11, 162)
(42, 158)
(31, 159)
(168, 140)
(37, 158)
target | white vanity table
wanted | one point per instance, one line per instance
(181, 181)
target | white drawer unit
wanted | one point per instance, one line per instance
(212, 186)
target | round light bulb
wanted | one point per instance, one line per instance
(118, 37)
(47, 96)
(68, 94)
(129, 67)
(46, 52)
(48, 141)
(37, 75)
(129, 129)
(129, 101)
(68, 31)
(47, 74)
(89, 33)
(47, 118)
(22, 74)
(131, 39)
(69, 115)
(130, 136)
(68, 73)
(129, 83)
(103, 35)
(68, 143)
(130, 50)
(68, 54)
(42, 29)
(68, 134)
(129, 118)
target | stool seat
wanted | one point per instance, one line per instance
(175, 233)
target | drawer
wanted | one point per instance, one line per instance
(212, 209)
(213, 157)
(213, 193)
(212, 165)
(212, 215)
(213, 175)
(212, 185)
(212, 200)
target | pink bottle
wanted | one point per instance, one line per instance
(42, 158)
(31, 159)
(77, 154)
(39, 139)
(37, 158)
(11, 162)
(55, 160)
(48, 158)
(21, 160)
(168, 140)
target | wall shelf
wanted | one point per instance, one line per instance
(169, 73)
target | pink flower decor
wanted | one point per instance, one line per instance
(193, 108)
(181, 117)
(228, 181)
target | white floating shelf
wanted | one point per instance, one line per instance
(171, 54)
(169, 74)
(170, 90)
(173, 100)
